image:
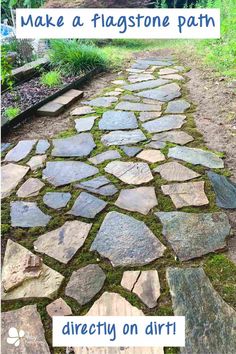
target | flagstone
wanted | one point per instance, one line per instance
(196, 156)
(164, 93)
(20, 151)
(118, 120)
(130, 172)
(119, 82)
(30, 188)
(99, 185)
(104, 156)
(209, 320)
(122, 137)
(151, 155)
(77, 145)
(87, 206)
(164, 123)
(113, 93)
(85, 283)
(5, 146)
(42, 146)
(145, 116)
(134, 71)
(173, 136)
(147, 288)
(60, 173)
(192, 235)
(131, 150)
(126, 241)
(225, 190)
(24, 282)
(138, 107)
(12, 175)
(157, 62)
(27, 214)
(131, 98)
(129, 278)
(36, 162)
(102, 101)
(56, 200)
(141, 199)
(84, 124)
(51, 109)
(186, 194)
(174, 171)
(177, 106)
(167, 71)
(80, 111)
(23, 332)
(63, 243)
(58, 308)
(173, 77)
(146, 85)
(140, 77)
(156, 145)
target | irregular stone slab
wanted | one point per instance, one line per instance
(177, 106)
(145, 116)
(173, 136)
(174, 171)
(225, 190)
(134, 70)
(56, 200)
(164, 93)
(81, 111)
(193, 235)
(27, 214)
(85, 283)
(18, 329)
(84, 124)
(60, 173)
(140, 77)
(118, 120)
(64, 242)
(129, 279)
(146, 85)
(156, 145)
(122, 137)
(119, 82)
(167, 71)
(161, 62)
(46, 284)
(102, 101)
(141, 199)
(58, 308)
(12, 174)
(99, 185)
(78, 145)
(51, 109)
(69, 97)
(176, 77)
(131, 98)
(113, 93)
(130, 172)
(30, 188)
(209, 320)
(164, 123)
(147, 288)
(87, 206)
(138, 107)
(140, 66)
(151, 156)
(36, 162)
(42, 146)
(20, 151)
(150, 101)
(131, 150)
(196, 156)
(5, 146)
(104, 156)
(186, 194)
(126, 241)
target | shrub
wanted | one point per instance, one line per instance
(6, 70)
(73, 57)
(51, 79)
(11, 112)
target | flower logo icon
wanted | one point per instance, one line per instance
(14, 336)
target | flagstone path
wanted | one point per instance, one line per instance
(91, 218)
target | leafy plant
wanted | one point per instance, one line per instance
(6, 70)
(11, 112)
(73, 57)
(51, 79)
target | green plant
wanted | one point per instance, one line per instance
(73, 57)
(6, 69)
(11, 112)
(51, 79)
